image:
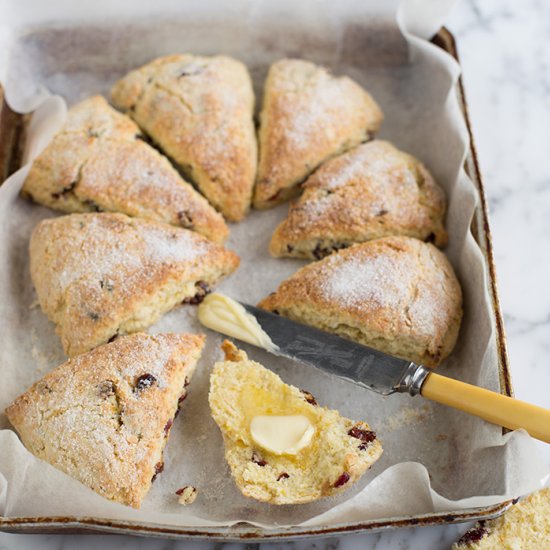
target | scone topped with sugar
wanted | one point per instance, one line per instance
(199, 110)
(104, 417)
(308, 116)
(281, 446)
(395, 294)
(99, 161)
(101, 275)
(372, 191)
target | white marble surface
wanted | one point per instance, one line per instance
(506, 62)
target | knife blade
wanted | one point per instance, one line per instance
(346, 359)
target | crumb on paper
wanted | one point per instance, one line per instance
(407, 416)
(34, 304)
(441, 437)
(187, 495)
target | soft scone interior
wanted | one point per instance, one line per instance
(339, 451)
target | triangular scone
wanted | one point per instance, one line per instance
(525, 525)
(308, 116)
(99, 161)
(100, 275)
(104, 417)
(199, 110)
(339, 452)
(372, 191)
(395, 294)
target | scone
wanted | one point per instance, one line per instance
(372, 191)
(100, 161)
(101, 275)
(199, 110)
(307, 116)
(104, 417)
(260, 416)
(395, 294)
(525, 526)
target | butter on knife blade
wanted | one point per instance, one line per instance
(223, 314)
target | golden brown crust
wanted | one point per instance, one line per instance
(340, 452)
(395, 294)
(99, 275)
(307, 117)
(199, 111)
(372, 191)
(103, 417)
(99, 161)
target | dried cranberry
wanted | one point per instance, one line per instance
(64, 191)
(168, 426)
(382, 212)
(430, 238)
(275, 196)
(366, 436)
(342, 480)
(186, 383)
(144, 381)
(257, 459)
(159, 467)
(289, 248)
(284, 475)
(473, 535)
(319, 252)
(309, 397)
(202, 290)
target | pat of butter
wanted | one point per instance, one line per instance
(222, 314)
(282, 435)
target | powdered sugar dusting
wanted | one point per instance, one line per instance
(108, 251)
(180, 247)
(317, 113)
(373, 282)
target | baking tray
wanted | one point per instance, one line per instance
(12, 132)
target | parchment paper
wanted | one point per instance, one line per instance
(434, 458)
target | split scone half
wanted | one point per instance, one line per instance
(101, 275)
(372, 191)
(398, 295)
(99, 161)
(199, 111)
(104, 417)
(281, 446)
(308, 116)
(525, 525)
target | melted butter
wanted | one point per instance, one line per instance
(282, 435)
(222, 314)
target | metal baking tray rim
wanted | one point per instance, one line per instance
(244, 531)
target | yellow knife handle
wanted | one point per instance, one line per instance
(493, 407)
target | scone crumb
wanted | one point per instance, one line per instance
(232, 353)
(187, 495)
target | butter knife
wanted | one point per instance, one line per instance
(386, 374)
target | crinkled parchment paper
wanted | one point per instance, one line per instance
(435, 458)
